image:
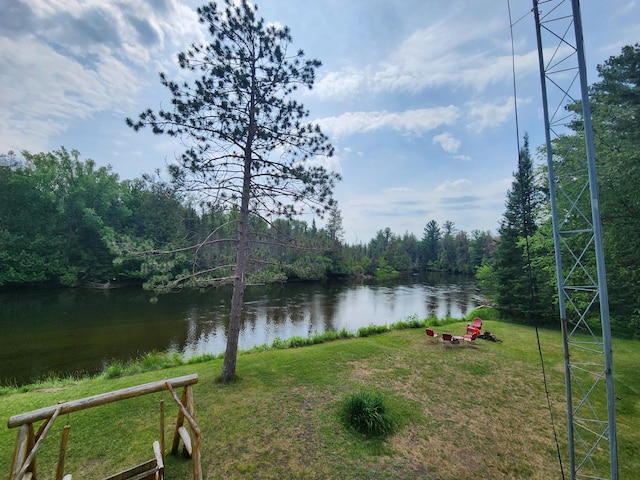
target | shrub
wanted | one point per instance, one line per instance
(412, 321)
(366, 414)
(372, 330)
(114, 370)
(484, 312)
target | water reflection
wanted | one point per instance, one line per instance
(70, 331)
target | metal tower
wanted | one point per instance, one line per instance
(580, 268)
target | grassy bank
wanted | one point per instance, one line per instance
(458, 412)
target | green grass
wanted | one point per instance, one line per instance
(457, 412)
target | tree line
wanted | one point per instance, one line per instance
(67, 222)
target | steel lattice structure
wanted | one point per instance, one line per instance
(580, 268)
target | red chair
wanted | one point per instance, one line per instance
(469, 338)
(448, 338)
(432, 335)
(476, 324)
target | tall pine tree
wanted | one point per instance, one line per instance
(248, 143)
(517, 292)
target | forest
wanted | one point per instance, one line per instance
(87, 227)
(68, 222)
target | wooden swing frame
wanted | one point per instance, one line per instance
(23, 463)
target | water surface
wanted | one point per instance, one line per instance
(72, 331)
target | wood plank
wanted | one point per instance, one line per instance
(101, 399)
(158, 454)
(142, 470)
(186, 439)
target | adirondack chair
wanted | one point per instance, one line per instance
(476, 324)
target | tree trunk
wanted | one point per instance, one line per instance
(237, 300)
(242, 253)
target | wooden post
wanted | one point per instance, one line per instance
(176, 430)
(20, 452)
(162, 429)
(184, 405)
(30, 460)
(63, 452)
(195, 455)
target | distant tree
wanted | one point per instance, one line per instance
(463, 257)
(246, 141)
(447, 258)
(481, 248)
(334, 224)
(430, 243)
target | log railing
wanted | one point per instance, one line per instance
(23, 464)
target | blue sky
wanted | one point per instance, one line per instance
(416, 95)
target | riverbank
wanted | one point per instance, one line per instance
(460, 412)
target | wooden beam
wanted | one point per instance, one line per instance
(183, 410)
(101, 399)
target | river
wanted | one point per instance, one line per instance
(81, 331)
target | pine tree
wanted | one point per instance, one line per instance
(516, 286)
(247, 143)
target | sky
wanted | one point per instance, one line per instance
(417, 96)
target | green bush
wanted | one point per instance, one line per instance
(366, 414)
(372, 330)
(412, 321)
(485, 313)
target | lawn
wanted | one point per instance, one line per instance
(459, 412)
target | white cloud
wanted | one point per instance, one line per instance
(340, 84)
(453, 53)
(399, 190)
(80, 58)
(410, 121)
(447, 141)
(455, 185)
(53, 91)
(488, 115)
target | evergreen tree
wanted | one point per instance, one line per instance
(615, 106)
(247, 143)
(334, 224)
(516, 289)
(430, 244)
